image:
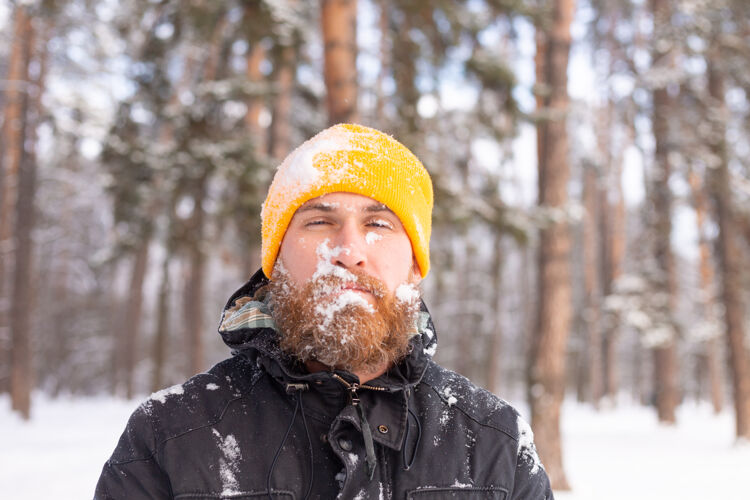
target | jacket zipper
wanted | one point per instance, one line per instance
(364, 425)
(353, 388)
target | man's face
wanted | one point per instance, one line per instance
(349, 232)
(344, 287)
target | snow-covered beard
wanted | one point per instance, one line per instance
(318, 321)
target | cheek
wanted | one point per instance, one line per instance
(298, 258)
(399, 262)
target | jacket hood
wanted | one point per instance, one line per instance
(248, 329)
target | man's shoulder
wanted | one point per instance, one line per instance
(201, 400)
(478, 404)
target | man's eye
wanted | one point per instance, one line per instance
(316, 223)
(380, 223)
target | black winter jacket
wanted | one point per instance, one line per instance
(259, 422)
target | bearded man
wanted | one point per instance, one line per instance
(331, 391)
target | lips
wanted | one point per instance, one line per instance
(355, 287)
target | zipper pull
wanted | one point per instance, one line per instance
(353, 396)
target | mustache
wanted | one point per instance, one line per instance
(330, 284)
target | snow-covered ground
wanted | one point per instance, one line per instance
(612, 455)
(625, 454)
(60, 452)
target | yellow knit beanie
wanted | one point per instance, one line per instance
(351, 159)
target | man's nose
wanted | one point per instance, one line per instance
(352, 243)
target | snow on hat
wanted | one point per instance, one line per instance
(351, 159)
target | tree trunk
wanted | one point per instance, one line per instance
(13, 116)
(116, 331)
(250, 257)
(615, 255)
(20, 314)
(638, 392)
(463, 349)
(729, 257)
(547, 367)
(213, 58)
(665, 368)
(606, 266)
(10, 160)
(21, 301)
(195, 282)
(591, 285)
(280, 126)
(665, 354)
(404, 72)
(711, 348)
(495, 348)
(254, 75)
(162, 326)
(384, 63)
(134, 313)
(255, 104)
(744, 223)
(339, 20)
(611, 219)
(476, 369)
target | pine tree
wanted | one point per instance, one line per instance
(13, 136)
(665, 354)
(339, 21)
(547, 365)
(729, 253)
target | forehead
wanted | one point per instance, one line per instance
(343, 201)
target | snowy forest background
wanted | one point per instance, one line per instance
(591, 165)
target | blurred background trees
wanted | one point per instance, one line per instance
(590, 162)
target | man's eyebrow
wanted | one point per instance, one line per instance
(378, 207)
(325, 207)
(330, 207)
